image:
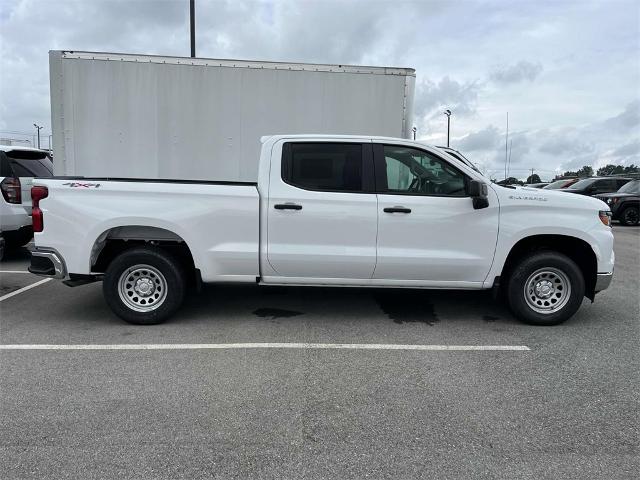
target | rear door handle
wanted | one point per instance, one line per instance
(397, 210)
(287, 206)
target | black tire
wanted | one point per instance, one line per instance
(630, 216)
(18, 238)
(165, 275)
(559, 269)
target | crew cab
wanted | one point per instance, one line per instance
(325, 211)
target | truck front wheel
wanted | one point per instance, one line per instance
(144, 286)
(545, 288)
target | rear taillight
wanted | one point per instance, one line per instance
(37, 194)
(10, 187)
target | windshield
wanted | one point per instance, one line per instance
(28, 163)
(458, 156)
(581, 184)
(557, 184)
(631, 187)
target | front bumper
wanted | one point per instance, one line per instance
(603, 280)
(48, 263)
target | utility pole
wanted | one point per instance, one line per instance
(448, 114)
(506, 144)
(192, 18)
(38, 128)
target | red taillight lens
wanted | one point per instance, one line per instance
(10, 187)
(37, 220)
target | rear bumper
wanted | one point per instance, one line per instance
(48, 263)
(603, 280)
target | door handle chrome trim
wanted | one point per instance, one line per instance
(397, 210)
(287, 206)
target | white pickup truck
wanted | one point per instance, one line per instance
(326, 211)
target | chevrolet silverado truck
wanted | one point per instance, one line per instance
(345, 211)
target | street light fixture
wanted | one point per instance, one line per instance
(447, 112)
(38, 128)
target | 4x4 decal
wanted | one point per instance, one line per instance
(81, 185)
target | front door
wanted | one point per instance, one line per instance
(428, 229)
(322, 211)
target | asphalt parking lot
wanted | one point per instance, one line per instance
(568, 406)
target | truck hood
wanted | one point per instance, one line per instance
(531, 197)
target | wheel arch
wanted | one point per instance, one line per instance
(115, 240)
(575, 248)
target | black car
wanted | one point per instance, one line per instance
(625, 203)
(597, 185)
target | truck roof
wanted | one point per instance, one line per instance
(265, 138)
(214, 62)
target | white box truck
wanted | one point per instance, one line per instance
(143, 116)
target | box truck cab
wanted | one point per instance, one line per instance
(355, 211)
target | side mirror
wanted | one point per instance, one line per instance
(479, 193)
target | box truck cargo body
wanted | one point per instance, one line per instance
(141, 116)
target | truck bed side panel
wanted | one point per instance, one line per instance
(219, 223)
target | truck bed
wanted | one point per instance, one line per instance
(218, 221)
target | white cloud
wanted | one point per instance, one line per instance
(479, 59)
(517, 72)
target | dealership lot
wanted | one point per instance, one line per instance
(567, 405)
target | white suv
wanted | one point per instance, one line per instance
(18, 167)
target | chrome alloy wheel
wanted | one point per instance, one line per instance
(142, 288)
(547, 290)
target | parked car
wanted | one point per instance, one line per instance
(562, 183)
(536, 185)
(597, 185)
(1, 245)
(18, 167)
(326, 210)
(625, 203)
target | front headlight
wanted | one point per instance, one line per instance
(605, 217)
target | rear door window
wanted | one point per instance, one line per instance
(606, 185)
(335, 167)
(25, 163)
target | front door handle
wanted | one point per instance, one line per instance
(397, 210)
(287, 206)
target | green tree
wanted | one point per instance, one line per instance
(586, 171)
(610, 170)
(533, 178)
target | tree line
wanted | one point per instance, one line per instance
(587, 171)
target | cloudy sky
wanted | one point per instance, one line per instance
(568, 72)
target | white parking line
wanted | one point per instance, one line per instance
(15, 271)
(236, 346)
(23, 289)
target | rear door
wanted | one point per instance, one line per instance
(322, 211)
(428, 231)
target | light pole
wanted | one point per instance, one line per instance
(38, 127)
(447, 112)
(192, 22)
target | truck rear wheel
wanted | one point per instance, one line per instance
(545, 288)
(144, 286)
